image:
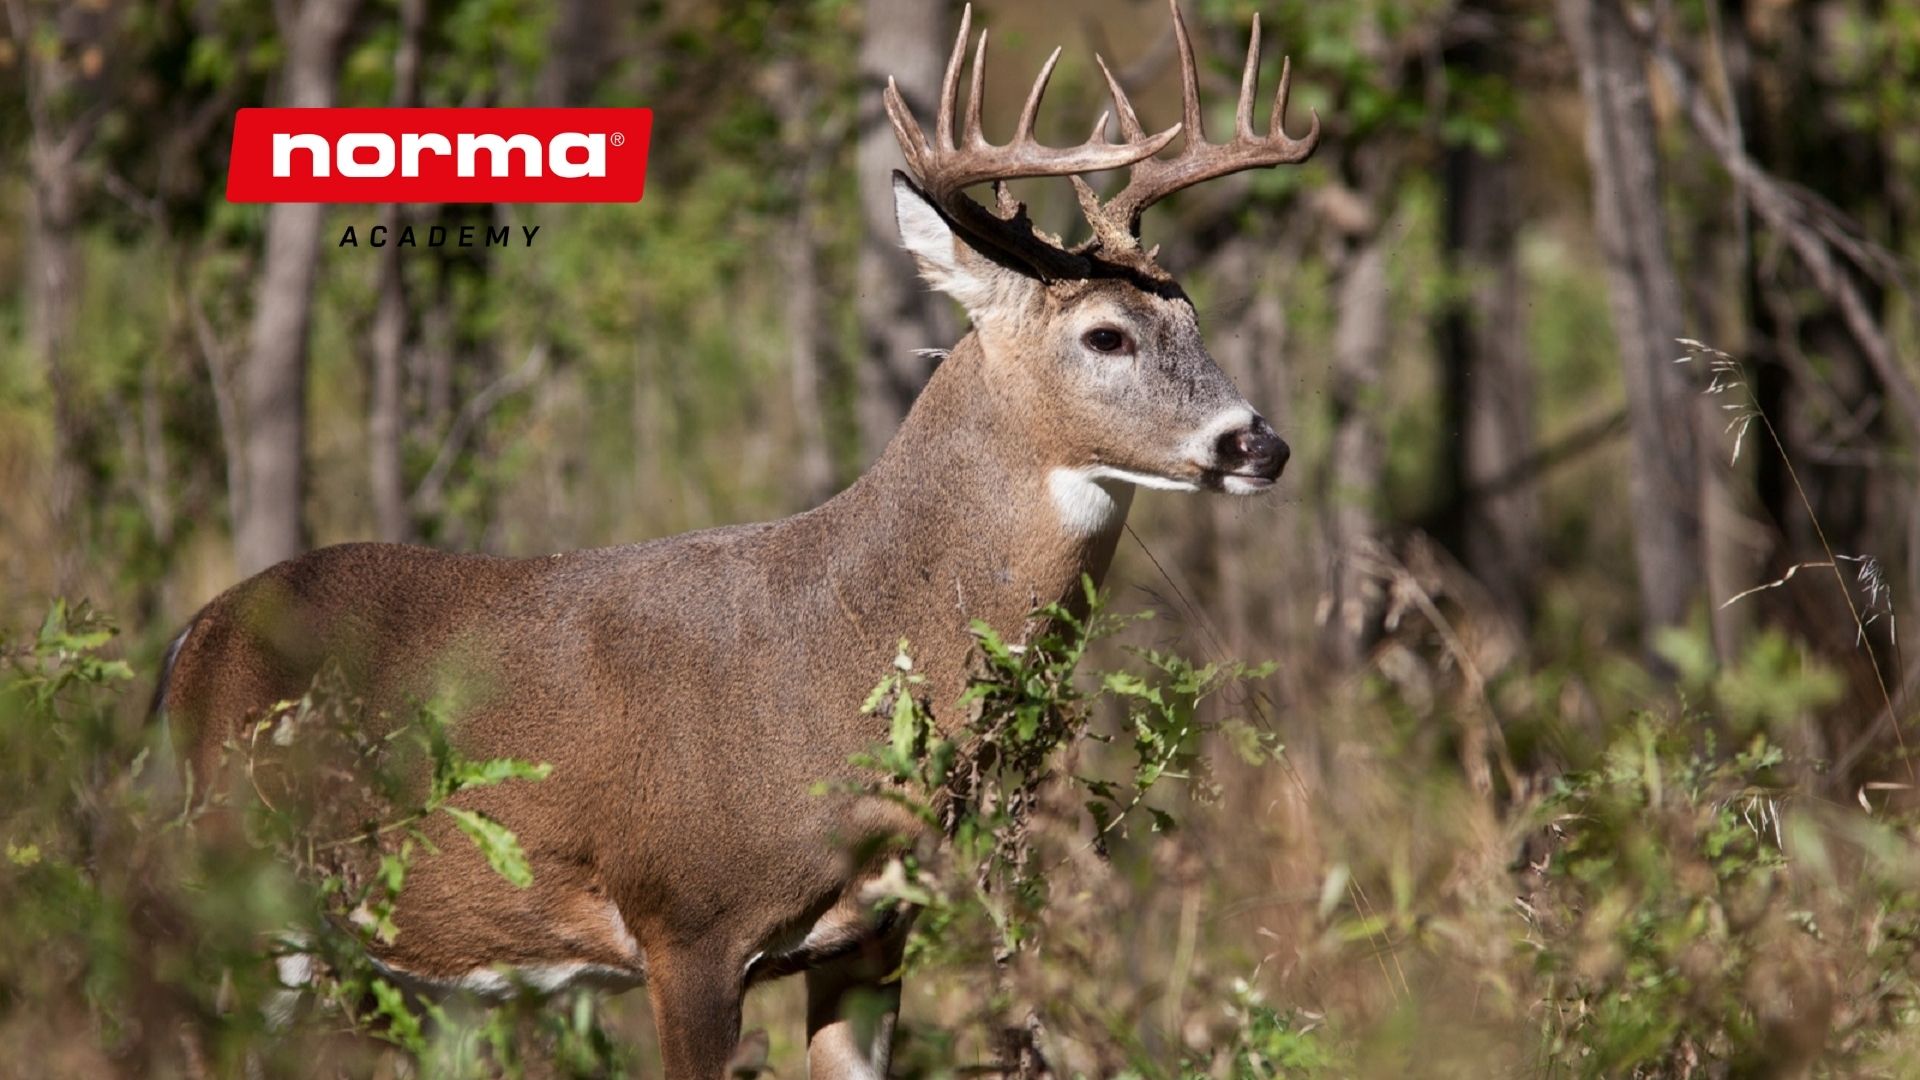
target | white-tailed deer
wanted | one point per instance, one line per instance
(692, 693)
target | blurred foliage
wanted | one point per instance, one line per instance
(145, 925)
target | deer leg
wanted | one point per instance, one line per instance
(696, 1011)
(852, 1004)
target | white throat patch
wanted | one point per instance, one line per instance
(1094, 500)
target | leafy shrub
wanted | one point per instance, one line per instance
(1029, 815)
(143, 917)
(1699, 914)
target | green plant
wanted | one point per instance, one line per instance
(1002, 788)
(140, 911)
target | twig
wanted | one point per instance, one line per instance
(1395, 573)
(1539, 461)
(147, 206)
(1863, 740)
(226, 409)
(427, 495)
(1775, 583)
(1589, 436)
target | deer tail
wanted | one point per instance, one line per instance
(156, 709)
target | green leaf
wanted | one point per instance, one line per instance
(54, 622)
(1362, 929)
(497, 843)
(1249, 743)
(393, 868)
(906, 725)
(940, 757)
(466, 774)
(403, 1027)
(879, 694)
(990, 642)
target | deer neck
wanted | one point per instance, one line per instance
(965, 517)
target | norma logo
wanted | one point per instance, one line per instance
(439, 155)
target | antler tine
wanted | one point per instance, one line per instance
(1189, 82)
(1249, 84)
(1100, 126)
(950, 83)
(976, 94)
(913, 141)
(1023, 132)
(1198, 159)
(1277, 127)
(1130, 128)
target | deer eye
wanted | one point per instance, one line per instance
(1105, 339)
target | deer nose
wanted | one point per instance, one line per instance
(1254, 450)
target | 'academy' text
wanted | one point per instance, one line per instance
(434, 236)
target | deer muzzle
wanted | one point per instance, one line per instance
(1249, 459)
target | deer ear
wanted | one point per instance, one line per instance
(946, 261)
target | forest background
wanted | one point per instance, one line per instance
(1526, 524)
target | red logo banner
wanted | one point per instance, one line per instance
(439, 155)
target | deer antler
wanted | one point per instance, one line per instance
(1116, 224)
(944, 168)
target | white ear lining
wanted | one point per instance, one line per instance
(943, 262)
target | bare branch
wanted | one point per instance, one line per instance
(226, 410)
(432, 486)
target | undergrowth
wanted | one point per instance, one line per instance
(1675, 901)
(144, 920)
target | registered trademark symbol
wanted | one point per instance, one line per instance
(618, 138)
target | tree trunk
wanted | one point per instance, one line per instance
(386, 420)
(1666, 483)
(1489, 382)
(804, 318)
(904, 39)
(272, 526)
(51, 289)
(788, 88)
(386, 405)
(578, 46)
(1357, 457)
(430, 371)
(1490, 385)
(59, 130)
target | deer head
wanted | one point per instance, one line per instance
(1095, 343)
